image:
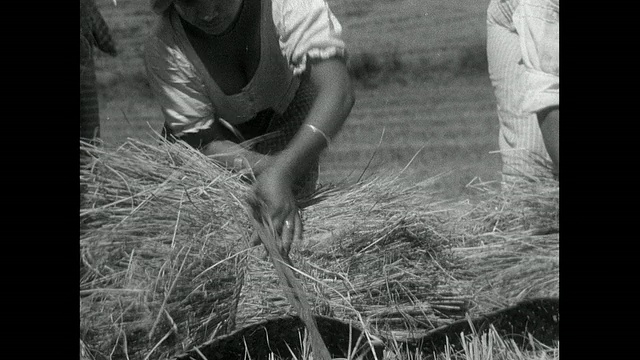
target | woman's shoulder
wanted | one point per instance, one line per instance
(162, 42)
(163, 30)
(285, 7)
(288, 14)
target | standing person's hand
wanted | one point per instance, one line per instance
(274, 189)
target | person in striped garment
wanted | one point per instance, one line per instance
(523, 56)
(94, 32)
(269, 72)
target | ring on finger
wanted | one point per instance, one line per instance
(287, 223)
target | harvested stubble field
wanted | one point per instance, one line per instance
(396, 255)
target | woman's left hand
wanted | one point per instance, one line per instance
(274, 188)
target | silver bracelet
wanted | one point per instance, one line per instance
(316, 130)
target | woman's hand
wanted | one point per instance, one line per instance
(274, 188)
(228, 155)
(329, 111)
(261, 163)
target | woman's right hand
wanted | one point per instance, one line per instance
(261, 163)
(274, 189)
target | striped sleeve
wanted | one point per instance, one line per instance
(538, 26)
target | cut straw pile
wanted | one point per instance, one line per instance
(166, 262)
(510, 242)
(157, 221)
(372, 254)
(384, 254)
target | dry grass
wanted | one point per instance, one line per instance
(162, 240)
(165, 252)
(488, 345)
(371, 251)
(510, 241)
(485, 346)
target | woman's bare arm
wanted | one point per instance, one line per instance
(330, 109)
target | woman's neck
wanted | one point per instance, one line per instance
(220, 30)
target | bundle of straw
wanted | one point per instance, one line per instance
(166, 260)
(527, 206)
(510, 241)
(162, 239)
(372, 254)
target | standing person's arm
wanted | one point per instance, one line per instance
(538, 25)
(549, 120)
